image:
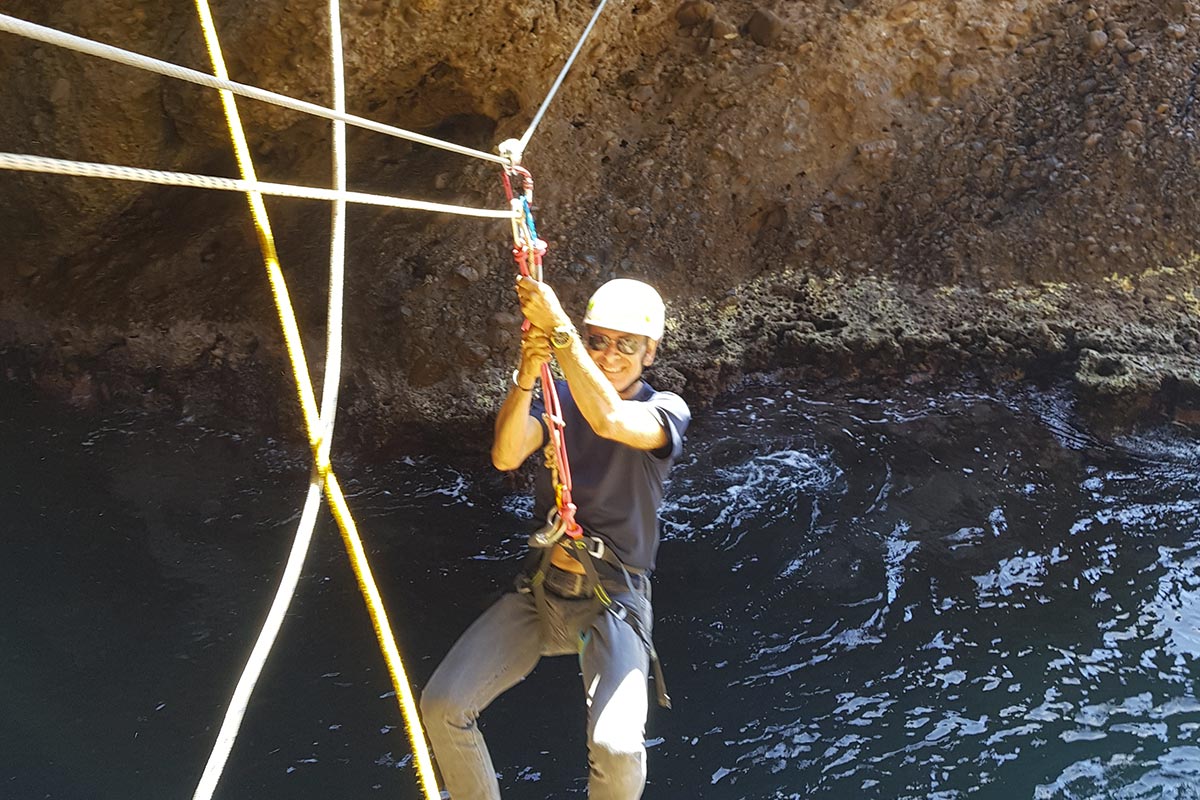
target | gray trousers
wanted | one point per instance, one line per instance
(503, 646)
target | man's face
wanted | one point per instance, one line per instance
(620, 356)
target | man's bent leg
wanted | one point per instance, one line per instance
(615, 667)
(493, 655)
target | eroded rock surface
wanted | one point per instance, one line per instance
(858, 191)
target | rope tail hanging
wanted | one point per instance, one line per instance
(322, 470)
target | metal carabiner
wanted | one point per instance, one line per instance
(549, 533)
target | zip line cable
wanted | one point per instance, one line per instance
(537, 118)
(23, 162)
(322, 470)
(51, 36)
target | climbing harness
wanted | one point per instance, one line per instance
(561, 528)
(588, 551)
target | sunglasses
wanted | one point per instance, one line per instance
(625, 344)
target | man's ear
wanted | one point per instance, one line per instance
(651, 351)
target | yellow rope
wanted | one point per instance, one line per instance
(312, 421)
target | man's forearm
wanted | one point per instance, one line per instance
(510, 430)
(595, 396)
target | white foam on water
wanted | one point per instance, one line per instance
(1027, 570)
(898, 549)
(1174, 774)
(734, 497)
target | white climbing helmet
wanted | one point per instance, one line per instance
(626, 305)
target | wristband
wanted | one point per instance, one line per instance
(517, 383)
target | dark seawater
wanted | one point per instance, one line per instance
(922, 597)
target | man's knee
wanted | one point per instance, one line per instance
(439, 706)
(617, 771)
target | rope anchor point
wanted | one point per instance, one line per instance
(512, 150)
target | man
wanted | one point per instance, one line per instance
(622, 437)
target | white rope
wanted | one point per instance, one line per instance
(524, 141)
(337, 241)
(23, 162)
(231, 724)
(41, 33)
(262, 647)
(340, 197)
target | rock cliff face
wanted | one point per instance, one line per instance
(836, 189)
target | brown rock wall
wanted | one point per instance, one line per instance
(886, 188)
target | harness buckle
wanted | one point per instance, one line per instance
(600, 548)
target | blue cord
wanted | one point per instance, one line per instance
(529, 218)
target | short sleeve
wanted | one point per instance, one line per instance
(675, 417)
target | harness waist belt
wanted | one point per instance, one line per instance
(566, 584)
(597, 548)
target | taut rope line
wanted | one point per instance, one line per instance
(537, 118)
(22, 162)
(322, 470)
(79, 44)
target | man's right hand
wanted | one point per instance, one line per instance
(517, 433)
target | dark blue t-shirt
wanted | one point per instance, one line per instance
(617, 489)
